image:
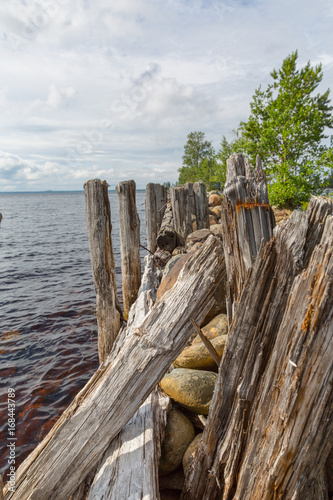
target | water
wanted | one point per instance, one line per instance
(48, 330)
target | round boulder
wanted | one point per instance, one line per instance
(190, 453)
(212, 220)
(216, 211)
(214, 200)
(172, 276)
(197, 237)
(216, 229)
(192, 389)
(215, 328)
(179, 433)
(197, 355)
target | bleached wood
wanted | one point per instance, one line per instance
(168, 238)
(201, 205)
(156, 199)
(74, 446)
(129, 467)
(129, 224)
(270, 425)
(108, 310)
(181, 209)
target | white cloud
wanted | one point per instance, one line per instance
(113, 88)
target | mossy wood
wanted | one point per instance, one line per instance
(108, 310)
(73, 448)
(270, 426)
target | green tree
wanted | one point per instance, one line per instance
(226, 149)
(199, 161)
(286, 128)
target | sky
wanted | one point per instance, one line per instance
(111, 89)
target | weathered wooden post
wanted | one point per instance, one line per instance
(108, 310)
(270, 425)
(129, 223)
(156, 199)
(181, 209)
(201, 205)
(247, 220)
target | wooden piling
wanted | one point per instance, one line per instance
(108, 311)
(181, 209)
(201, 205)
(156, 200)
(130, 243)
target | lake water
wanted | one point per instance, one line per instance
(48, 330)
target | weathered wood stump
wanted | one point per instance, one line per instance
(55, 469)
(129, 224)
(270, 426)
(108, 311)
(156, 199)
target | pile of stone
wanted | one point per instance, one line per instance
(190, 383)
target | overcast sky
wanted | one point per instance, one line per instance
(112, 88)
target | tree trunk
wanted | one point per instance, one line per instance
(247, 221)
(129, 224)
(201, 205)
(156, 199)
(181, 209)
(108, 310)
(56, 468)
(270, 426)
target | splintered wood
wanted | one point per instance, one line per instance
(129, 224)
(270, 426)
(73, 448)
(108, 311)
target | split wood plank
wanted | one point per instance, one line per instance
(56, 468)
(108, 310)
(129, 224)
(270, 425)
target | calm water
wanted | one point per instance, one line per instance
(48, 330)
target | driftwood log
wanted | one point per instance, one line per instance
(72, 449)
(108, 310)
(247, 221)
(156, 199)
(270, 426)
(129, 224)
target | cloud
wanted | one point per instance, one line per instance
(114, 88)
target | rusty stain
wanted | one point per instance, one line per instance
(249, 205)
(307, 318)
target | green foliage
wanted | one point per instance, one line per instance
(286, 128)
(199, 161)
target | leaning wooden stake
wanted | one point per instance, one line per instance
(99, 226)
(270, 425)
(103, 407)
(212, 351)
(156, 199)
(129, 223)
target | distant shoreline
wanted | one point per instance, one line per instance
(54, 192)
